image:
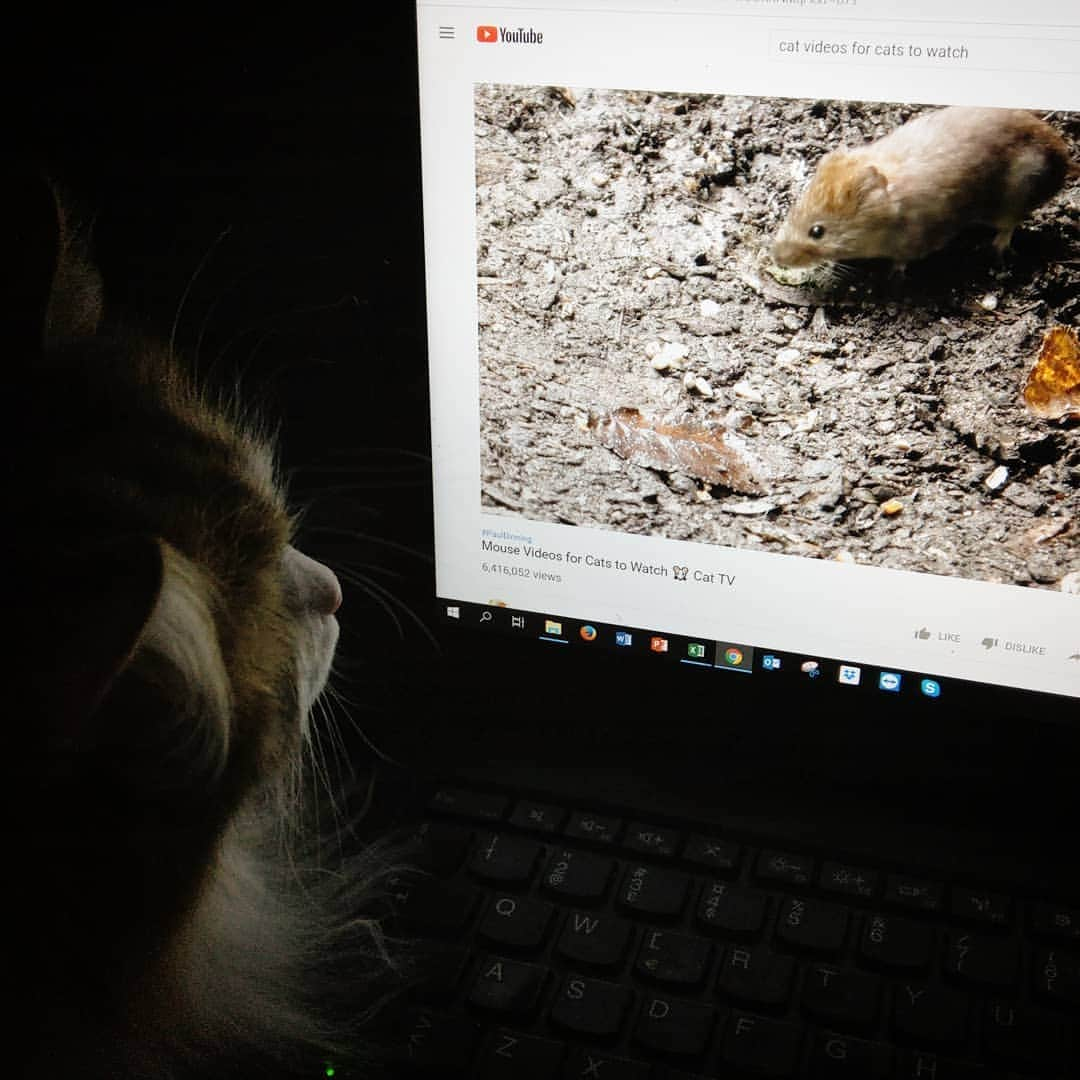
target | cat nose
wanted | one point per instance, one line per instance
(314, 585)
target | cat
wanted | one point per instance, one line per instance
(171, 917)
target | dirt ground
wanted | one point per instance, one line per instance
(623, 264)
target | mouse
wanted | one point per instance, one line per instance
(908, 194)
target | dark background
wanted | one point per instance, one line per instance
(255, 191)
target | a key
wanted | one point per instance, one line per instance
(516, 922)
(537, 817)
(1056, 923)
(761, 1046)
(1025, 1036)
(653, 892)
(982, 908)
(844, 999)
(930, 1015)
(849, 880)
(841, 1057)
(577, 876)
(507, 986)
(813, 925)
(731, 910)
(978, 960)
(785, 868)
(590, 1007)
(472, 805)
(896, 943)
(512, 1055)
(595, 828)
(755, 976)
(720, 857)
(670, 1026)
(596, 940)
(1056, 975)
(677, 959)
(652, 840)
(917, 894)
(501, 859)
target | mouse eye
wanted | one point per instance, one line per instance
(817, 232)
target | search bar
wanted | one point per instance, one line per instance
(952, 51)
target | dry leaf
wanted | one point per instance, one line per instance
(1052, 391)
(707, 452)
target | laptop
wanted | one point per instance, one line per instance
(751, 748)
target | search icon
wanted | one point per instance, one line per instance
(485, 616)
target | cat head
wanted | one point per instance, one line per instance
(170, 639)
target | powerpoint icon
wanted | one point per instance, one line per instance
(487, 33)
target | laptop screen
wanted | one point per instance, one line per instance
(753, 336)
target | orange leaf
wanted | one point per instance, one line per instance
(1052, 391)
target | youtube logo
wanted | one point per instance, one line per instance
(487, 34)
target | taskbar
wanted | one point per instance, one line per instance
(732, 657)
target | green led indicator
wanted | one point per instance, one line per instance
(330, 1071)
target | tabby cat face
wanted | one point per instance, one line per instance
(189, 638)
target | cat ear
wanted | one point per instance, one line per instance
(84, 614)
(50, 291)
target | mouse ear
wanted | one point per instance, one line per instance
(865, 182)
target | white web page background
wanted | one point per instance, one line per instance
(867, 614)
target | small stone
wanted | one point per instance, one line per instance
(1070, 583)
(891, 507)
(599, 179)
(844, 557)
(997, 479)
(792, 321)
(788, 356)
(653, 272)
(696, 384)
(667, 355)
(709, 308)
(989, 302)
(747, 392)
(566, 309)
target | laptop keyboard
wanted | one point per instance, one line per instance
(567, 944)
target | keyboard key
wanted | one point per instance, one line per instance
(590, 1007)
(785, 868)
(840, 1057)
(1056, 923)
(813, 925)
(731, 910)
(673, 958)
(472, 805)
(930, 1015)
(538, 817)
(429, 906)
(516, 922)
(507, 986)
(916, 894)
(594, 1065)
(761, 1046)
(597, 940)
(511, 1055)
(718, 856)
(501, 859)
(917, 1065)
(441, 846)
(653, 892)
(440, 968)
(1025, 1036)
(849, 880)
(577, 876)
(982, 908)
(982, 961)
(679, 1028)
(433, 1044)
(652, 840)
(844, 999)
(1056, 976)
(892, 942)
(596, 828)
(755, 976)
